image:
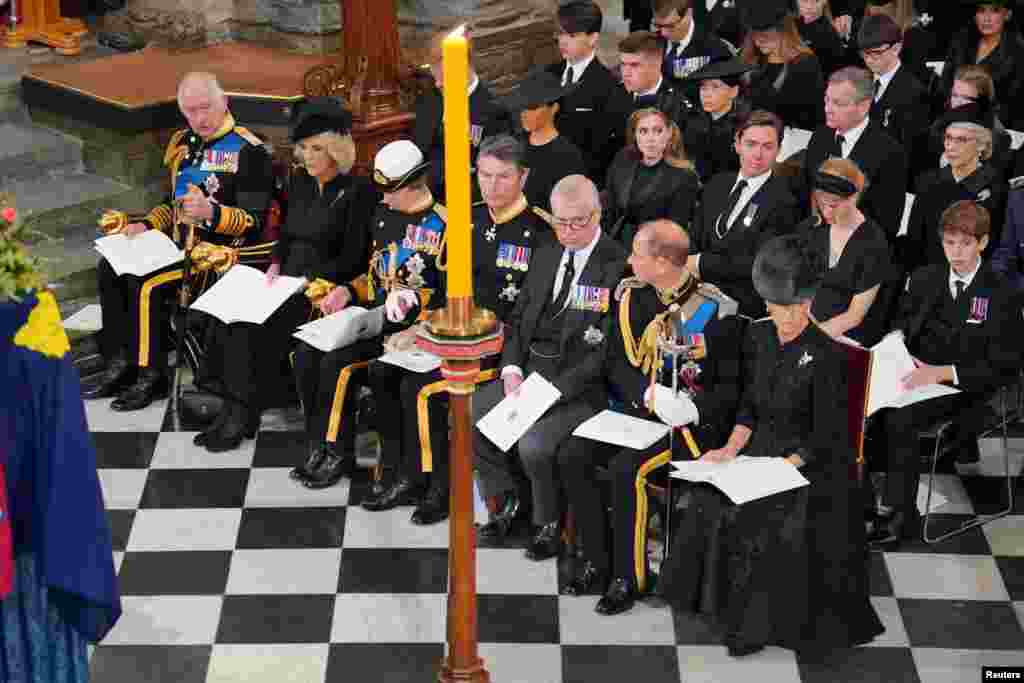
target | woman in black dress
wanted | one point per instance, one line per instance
(650, 178)
(788, 569)
(788, 79)
(710, 135)
(325, 236)
(855, 249)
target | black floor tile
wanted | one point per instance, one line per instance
(988, 494)
(268, 528)
(860, 665)
(879, 581)
(695, 629)
(517, 618)
(195, 488)
(120, 527)
(276, 619)
(280, 449)
(590, 663)
(384, 662)
(1012, 569)
(359, 486)
(970, 542)
(150, 663)
(175, 573)
(962, 624)
(394, 570)
(124, 450)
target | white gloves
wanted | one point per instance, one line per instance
(399, 302)
(673, 410)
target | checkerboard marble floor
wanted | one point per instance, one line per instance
(231, 572)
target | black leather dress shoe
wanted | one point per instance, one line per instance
(215, 426)
(620, 597)
(402, 492)
(331, 468)
(118, 376)
(888, 532)
(434, 507)
(546, 543)
(588, 581)
(150, 386)
(239, 425)
(316, 457)
(499, 523)
(739, 647)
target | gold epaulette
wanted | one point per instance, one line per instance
(175, 145)
(361, 286)
(548, 218)
(628, 283)
(726, 304)
(248, 136)
(442, 211)
(233, 221)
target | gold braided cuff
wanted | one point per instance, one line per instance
(160, 218)
(233, 221)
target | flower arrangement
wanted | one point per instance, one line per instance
(19, 272)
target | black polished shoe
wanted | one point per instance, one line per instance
(237, 427)
(620, 597)
(739, 647)
(150, 386)
(434, 507)
(331, 469)
(888, 532)
(316, 457)
(546, 543)
(500, 523)
(119, 375)
(588, 581)
(402, 492)
(215, 426)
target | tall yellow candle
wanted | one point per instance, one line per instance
(456, 163)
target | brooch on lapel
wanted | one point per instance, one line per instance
(979, 310)
(212, 184)
(885, 117)
(924, 19)
(984, 194)
(748, 216)
(805, 359)
(415, 266)
(490, 234)
(593, 336)
(510, 292)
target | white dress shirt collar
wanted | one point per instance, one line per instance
(967, 278)
(685, 42)
(652, 91)
(473, 84)
(579, 67)
(851, 136)
(883, 81)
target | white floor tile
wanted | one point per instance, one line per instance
(303, 571)
(122, 489)
(390, 529)
(712, 664)
(948, 497)
(958, 666)
(945, 577)
(193, 529)
(895, 632)
(522, 663)
(268, 663)
(272, 487)
(1019, 607)
(282, 420)
(118, 559)
(175, 450)
(991, 463)
(167, 620)
(642, 625)
(509, 571)
(102, 419)
(1006, 536)
(389, 618)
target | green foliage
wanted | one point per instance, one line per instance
(19, 272)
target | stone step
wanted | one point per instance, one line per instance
(59, 203)
(28, 152)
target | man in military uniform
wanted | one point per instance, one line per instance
(221, 183)
(406, 239)
(662, 302)
(640, 55)
(506, 233)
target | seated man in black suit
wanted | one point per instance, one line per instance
(741, 211)
(962, 322)
(640, 55)
(690, 43)
(663, 297)
(900, 103)
(593, 115)
(555, 329)
(849, 133)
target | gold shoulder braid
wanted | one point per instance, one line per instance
(388, 278)
(643, 352)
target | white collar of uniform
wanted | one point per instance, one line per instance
(579, 67)
(473, 84)
(710, 4)
(966, 279)
(753, 184)
(685, 42)
(652, 91)
(853, 135)
(581, 256)
(883, 80)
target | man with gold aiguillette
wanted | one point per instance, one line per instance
(221, 182)
(662, 302)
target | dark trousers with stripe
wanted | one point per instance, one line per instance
(396, 394)
(136, 314)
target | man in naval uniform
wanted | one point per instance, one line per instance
(663, 300)
(406, 238)
(506, 233)
(221, 184)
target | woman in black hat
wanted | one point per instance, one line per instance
(325, 236)
(994, 41)
(969, 174)
(651, 177)
(710, 136)
(788, 569)
(550, 156)
(788, 79)
(856, 250)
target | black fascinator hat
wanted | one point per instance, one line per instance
(788, 270)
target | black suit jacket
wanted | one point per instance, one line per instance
(579, 373)
(793, 90)
(881, 158)
(724, 20)
(986, 354)
(705, 47)
(727, 262)
(593, 116)
(902, 111)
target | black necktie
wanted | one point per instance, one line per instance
(722, 224)
(959, 284)
(563, 292)
(878, 88)
(840, 141)
(567, 75)
(646, 101)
